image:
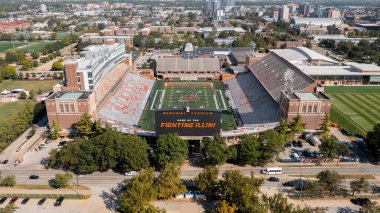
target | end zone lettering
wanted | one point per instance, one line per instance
(196, 122)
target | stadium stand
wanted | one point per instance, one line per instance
(250, 101)
(123, 110)
(276, 75)
(110, 81)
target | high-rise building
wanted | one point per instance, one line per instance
(43, 8)
(304, 9)
(284, 13)
(227, 5)
(333, 14)
(276, 15)
(208, 5)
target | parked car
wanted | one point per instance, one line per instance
(62, 144)
(34, 177)
(2, 200)
(59, 201)
(189, 194)
(288, 145)
(299, 144)
(294, 143)
(13, 200)
(361, 201)
(199, 195)
(131, 173)
(5, 162)
(273, 179)
(25, 200)
(42, 201)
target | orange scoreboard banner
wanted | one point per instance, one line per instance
(188, 122)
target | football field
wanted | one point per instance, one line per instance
(355, 109)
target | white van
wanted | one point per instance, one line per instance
(272, 171)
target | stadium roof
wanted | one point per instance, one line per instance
(301, 55)
(182, 64)
(277, 74)
(70, 95)
(317, 21)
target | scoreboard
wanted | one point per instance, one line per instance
(188, 122)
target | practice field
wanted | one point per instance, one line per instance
(9, 111)
(35, 46)
(356, 109)
(171, 95)
(7, 45)
(44, 86)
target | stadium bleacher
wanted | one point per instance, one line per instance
(250, 101)
(124, 109)
(108, 82)
(276, 75)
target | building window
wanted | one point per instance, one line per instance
(67, 109)
(90, 81)
(78, 79)
(91, 87)
(72, 108)
(90, 75)
(310, 108)
(61, 108)
(304, 108)
(315, 109)
(78, 74)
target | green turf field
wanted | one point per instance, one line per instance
(35, 46)
(356, 109)
(194, 96)
(44, 86)
(9, 111)
(7, 45)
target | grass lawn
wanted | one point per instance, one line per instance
(9, 111)
(28, 85)
(6, 45)
(355, 109)
(35, 46)
(181, 96)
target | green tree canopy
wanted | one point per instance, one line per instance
(248, 150)
(330, 181)
(206, 181)
(171, 149)
(62, 180)
(215, 151)
(168, 183)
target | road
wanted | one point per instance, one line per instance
(97, 178)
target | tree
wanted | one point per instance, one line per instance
(54, 132)
(35, 55)
(8, 71)
(297, 125)
(329, 148)
(9, 180)
(359, 185)
(371, 207)
(171, 149)
(101, 26)
(248, 150)
(225, 207)
(168, 183)
(215, 151)
(271, 144)
(133, 154)
(226, 65)
(206, 181)
(23, 95)
(138, 192)
(330, 181)
(325, 126)
(373, 142)
(242, 191)
(308, 44)
(85, 125)
(57, 66)
(53, 36)
(62, 180)
(283, 129)
(278, 203)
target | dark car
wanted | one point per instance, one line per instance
(297, 184)
(273, 179)
(294, 143)
(59, 201)
(25, 200)
(42, 201)
(2, 200)
(62, 144)
(361, 201)
(14, 199)
(34, 177)
(5, 161)
(299, 144)
(288, 145)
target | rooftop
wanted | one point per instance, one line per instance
(70, 95)
(301, 55)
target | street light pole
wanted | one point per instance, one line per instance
(301, 183)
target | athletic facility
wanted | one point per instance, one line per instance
(201, 95)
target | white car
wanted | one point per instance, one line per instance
(131, 173)
(189, 194)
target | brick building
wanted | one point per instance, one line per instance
(66, 108)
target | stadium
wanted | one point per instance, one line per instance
(248, 103)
